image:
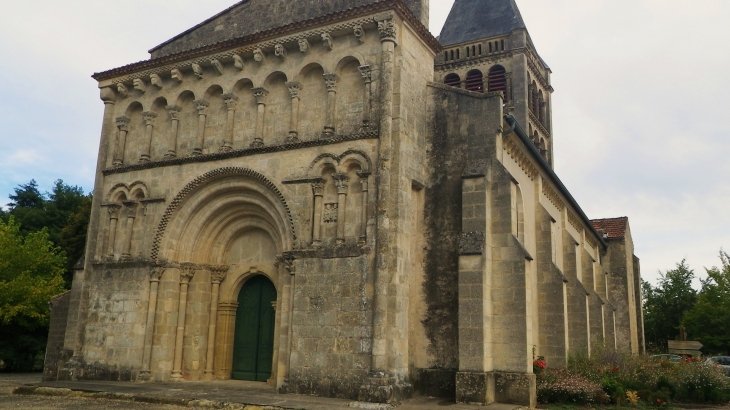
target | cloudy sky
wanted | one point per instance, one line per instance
(642, 92)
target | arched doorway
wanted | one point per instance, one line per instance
(253, 345)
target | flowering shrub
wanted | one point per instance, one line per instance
(539, 365)
(656, 383)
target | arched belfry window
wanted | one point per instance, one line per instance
(498, 80)
(475, 81)
(453, 80)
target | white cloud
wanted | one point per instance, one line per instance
(639, 107)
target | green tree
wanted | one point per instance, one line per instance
(73, 236)
(709, 320)
(666, 305)
(31, 270)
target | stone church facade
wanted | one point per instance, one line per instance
(322, 196)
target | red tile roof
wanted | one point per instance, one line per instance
(614, 227)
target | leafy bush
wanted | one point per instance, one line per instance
(656, 382)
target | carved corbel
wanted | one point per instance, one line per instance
(176, 75)
(359, 33)
(259, 56)
(280, 51)
(303, 45)
(138, 84)
(238, 61)
(218, 66)
(156, 80)
(197, 70)
(327, 41)
(122, 90)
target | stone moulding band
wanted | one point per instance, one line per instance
(240, 153)
(194, 184)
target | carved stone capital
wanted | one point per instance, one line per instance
(318, 186)
(187, 271)
(359, 33)
(341, 180)
(149, 117)
(388, 30)
(113, 211)
(330, 81)
(287, 261)
(367, 73)
(257, 143)
(174, 112)
(230, 100)
(123, 123)
(259, 56)
(122, 90)
(327, 41)
(303, 45)
(294, 88)
(238, 61)
(156, 80)
(156, 273)
(131, 207)
(217, 65)
(218, 273)
(260, 93)
(364, 175)
(197, 70)
(176, 75)
(202, 106)
(139, 85)
(280, 50)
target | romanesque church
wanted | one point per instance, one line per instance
(322, 196)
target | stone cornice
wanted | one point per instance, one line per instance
(240, 153)
(266, 38)
(512, 149)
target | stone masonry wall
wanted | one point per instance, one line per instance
(56, 335)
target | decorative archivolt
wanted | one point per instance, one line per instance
(513, 150)
(299, 41)
(339, 162)
(552, 196)
(197, 182)
(136, 190)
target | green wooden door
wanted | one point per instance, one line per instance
(253, 344)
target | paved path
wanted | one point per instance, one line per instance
(229, 391)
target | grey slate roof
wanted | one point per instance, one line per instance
(476, 19)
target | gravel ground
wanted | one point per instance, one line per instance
(8, 400)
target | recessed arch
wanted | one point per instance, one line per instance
(475, 81)
(240, 178)
(452, 80)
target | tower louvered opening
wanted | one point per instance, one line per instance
(453, 80)
(498, 80)
(475, 81)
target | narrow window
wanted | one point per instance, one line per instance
(475, 81)
(457, 54)
(480, 49)
(446, 56)
(497, 80)
(502, 45)
(490, 48)
(473, 50)
(453, 80)
(467, 52)
(452, 54)
(554, 241)
(518, 216)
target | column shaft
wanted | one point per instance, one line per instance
(131, 216)
(260, 94)
(282, 372)
(174, 111)
(318, 191)
(123, 129)
(330, 80)
(294, 89)
(185, 278)
(202, 106)
(211, 331)
(364, 207)
(150, 325)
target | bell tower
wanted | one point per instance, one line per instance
(487, 48)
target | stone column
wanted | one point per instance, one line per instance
(113, 219)
(330, 81)
(226, 329)
(260, 94)
(366, 73)
(174, 112)
(155, 275)
(131, 216)
(188, 271)
(508, 93)
(542, 112)
(149, 122)
(123, 126)
(217, 274)
(318, 191)
(364, 228)
(202, 107)
(286, 275)
(231, 100)
(294, 89)
(388, 31)
(341, 182)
